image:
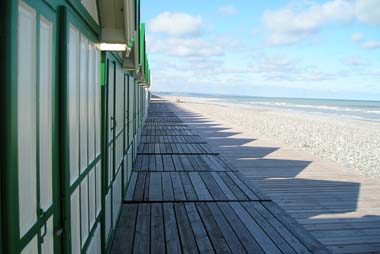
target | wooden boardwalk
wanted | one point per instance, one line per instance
(183, 197)
(337, 205)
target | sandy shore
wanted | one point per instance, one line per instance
(353, 143)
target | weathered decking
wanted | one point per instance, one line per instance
(337, 205)
(183, 197)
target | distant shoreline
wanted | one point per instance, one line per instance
(352, 109)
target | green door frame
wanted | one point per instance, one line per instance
(12, 243)
(68, 17)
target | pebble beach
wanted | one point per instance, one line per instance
(352, 143)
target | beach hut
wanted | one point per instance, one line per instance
(74, 90)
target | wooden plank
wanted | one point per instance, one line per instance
(270, 231)
(243, 186)
(201, 237)
(159, 164)
(168, 148)
(228, 233)
(210, 162)
(185, 162)
(235, 189)
(168, 163)
(157, 229)
(141, 243)
(157, 148)
(172, 241)
(212, 186)
(152, 163)
(264, 241)
(280, 228)
(309, 241)
(216, 236)
(194, 162)
(145, 163)
(177, 163)
(167, 186)
(125, 231)
(155, 187)
(174, 148)
(140, 148)
(245, 237)
(138, 163)
(200, 188)
(227, 192)
(146, 187)
(187, 186)
(162, 147)
(131, 186)
(185, 231)
(356, 248)
(179, 193)
(139, 190)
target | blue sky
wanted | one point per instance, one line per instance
(300, 48)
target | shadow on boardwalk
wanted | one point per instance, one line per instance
(328, 208)
(183, 197)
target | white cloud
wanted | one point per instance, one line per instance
(368, 11)
(228, 10)
(290, 24)
(185, 47)
(176, 24)
(357, 37)
(281, 69)
(287, 26)
(355, 61)
(372, 45)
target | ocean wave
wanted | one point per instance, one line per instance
(316, 107)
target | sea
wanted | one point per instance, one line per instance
(355, 109)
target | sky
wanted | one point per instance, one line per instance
(275, 48)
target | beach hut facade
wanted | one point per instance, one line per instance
(74, 91)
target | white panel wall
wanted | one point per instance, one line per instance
(131, 108)
(92, 196)
(26, 103)
(119, 100)
(73, 103)
(130, 160)
(32, 247)
(108, 219)
(98, 189)
(119, 150)
(111, 80)
(97, 101)
(85, 57)
(47, 247)
(75, 222)
(91, 103)
(84, 209)
(95, 245)
(125, 171)
(83, 102)
(116, 191)
(110, 164)
(45, 108)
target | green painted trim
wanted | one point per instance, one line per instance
(103, 74)
(142, 43)
(84, 174)
(9, 176)
(84, 15)
(65, 165)
(12, 243)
